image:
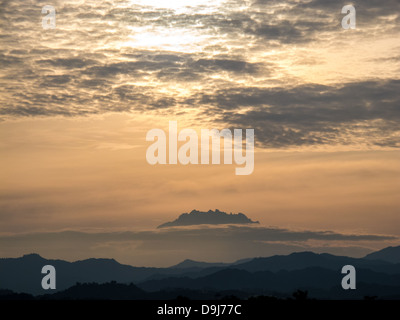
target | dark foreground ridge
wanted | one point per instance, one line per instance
(196, 217)
(118, 291)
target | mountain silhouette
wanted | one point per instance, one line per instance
(191, 264)
(294, 261)
(301, 270)
(210, 217)
(252, 281)
(322, 283)
(11, 295)
(389, 254)
(301, 260)
(94, 291)
(24, 274)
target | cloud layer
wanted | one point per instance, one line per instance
(167, 247)
(268, 65)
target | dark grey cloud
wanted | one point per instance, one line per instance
(55, 81)
(169, 64)
(288, 32)
(234, 233)
(88, 80)
(68, 63)
(376, 8)
(315, 17)
(11, 59)
(310, 114)
(224, 65)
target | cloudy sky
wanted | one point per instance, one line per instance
(77, 101)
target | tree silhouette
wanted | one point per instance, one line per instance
(300, 295)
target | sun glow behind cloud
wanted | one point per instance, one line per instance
(164, 38)
(181, 6)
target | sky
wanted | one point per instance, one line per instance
(77, 101)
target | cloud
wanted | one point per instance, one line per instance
(169, 246)
(68, 63)
(313, 114)
(233, 62)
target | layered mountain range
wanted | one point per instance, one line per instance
(319, 274)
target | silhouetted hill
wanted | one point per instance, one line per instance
(323, 283)
(191, 264)
(294, 261)
(301, 260)
(389, 254)
(24, 274)
(11, 295)
(210, 217)
(95, 291)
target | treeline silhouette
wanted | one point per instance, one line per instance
(118, 291)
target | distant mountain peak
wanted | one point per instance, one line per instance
(32, 256)
(196, 217)
(189, 263)
(389, 254)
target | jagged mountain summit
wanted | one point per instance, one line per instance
(196, 217)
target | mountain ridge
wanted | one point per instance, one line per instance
(216, 217)
(23, 274)
(389, 254)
